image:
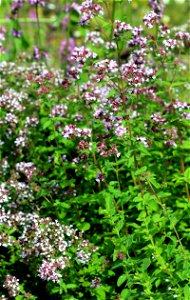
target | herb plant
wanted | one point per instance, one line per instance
(94, 165)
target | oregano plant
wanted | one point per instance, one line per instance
(95, 173)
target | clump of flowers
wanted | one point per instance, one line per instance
(11, 284)
(89, 10)
(94, 38)
(47, 239)
(66, 49)
(150, 19)
(18, 4)
(81, 54)
(157, 6)
(37, 2)
(48, 270)
(121, 27)
(2, 39)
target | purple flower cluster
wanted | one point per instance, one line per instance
(44, 238)
(17, 4)
(120, 27)
(183, 35)
(106, 66)
(157, 6)
(81, 54)
(48, 269)
(12, 285)
(170, 43)
(37, 2)
(96, 282)
(137, 38)
(150, 19)
(71, 131)
(66, 49)
(38, 54)
(103, 150)
(16, 33)
(4, 194)
(94, 38)
(59, 111)
(27, 168)
(2, 39)
(89, 10)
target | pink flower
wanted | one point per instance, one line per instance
(89, 10)
(120, 130)
(12, 285)
(150, 19)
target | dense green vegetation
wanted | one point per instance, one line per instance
(94, 150)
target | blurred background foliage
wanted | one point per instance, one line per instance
(53, 31)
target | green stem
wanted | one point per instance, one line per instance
(38, 24)
(112, 19)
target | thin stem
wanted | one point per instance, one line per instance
(95, 163)
(117, 175)
(112, 19)
(122, 89)
(38, 23)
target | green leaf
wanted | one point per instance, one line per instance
(187, 292)
(57, 158)
(146, 263)
(187, 175)
(128, 241)
(121, 279)
(84, 226)
(154, 183)
(153, 205)
(156, 218)
(110, 209)
(185, 145)
(111, 93)
(141, 216)
(163, 83)
(125, 293)
(119, 226)
(141, 171)
(176, 84)
(46, 122)
(71, 286)
(101, 294)
(60, 204)
(25, 43)
(158, 282)
(63, 287)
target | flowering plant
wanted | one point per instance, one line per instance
(95, 175)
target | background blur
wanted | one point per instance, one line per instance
(57, 25)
